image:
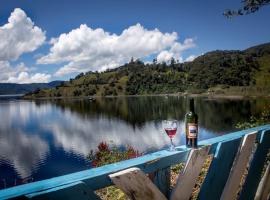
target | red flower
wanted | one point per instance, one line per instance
(103, 146)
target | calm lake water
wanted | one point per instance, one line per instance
(44, 139)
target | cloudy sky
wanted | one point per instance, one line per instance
(42, 41)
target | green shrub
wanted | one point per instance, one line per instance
(107, 155)
(264, 118)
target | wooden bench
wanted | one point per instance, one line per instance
(235, 155)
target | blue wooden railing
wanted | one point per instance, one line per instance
(80, 185)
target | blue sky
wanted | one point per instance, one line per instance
(96, 35)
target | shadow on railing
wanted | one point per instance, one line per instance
(235, 172)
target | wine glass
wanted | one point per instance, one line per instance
(170, 127)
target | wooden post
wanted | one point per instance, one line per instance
(255, 170)
(188, 177)
(136, 185)
(219, 170)
(239, 166)
(263, 191)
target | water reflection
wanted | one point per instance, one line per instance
(23, 152)
(43, 139)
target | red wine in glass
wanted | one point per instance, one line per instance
(171, 132)
(170, 127)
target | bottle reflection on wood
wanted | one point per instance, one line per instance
(191, 121)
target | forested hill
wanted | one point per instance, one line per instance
(217, 71)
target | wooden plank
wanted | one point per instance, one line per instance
(254, 174)
(240, 164)
(136, 185)
(188, 177)
(161, 178)
(74, 191)
(263, 191)
(98, 177)
(219, 170)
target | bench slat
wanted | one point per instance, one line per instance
(187, 179)
(263, 191)
(238, 169)
(136, 185)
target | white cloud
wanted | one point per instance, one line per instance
(19, 36)
(190, 58)
(85, 49)
(25, 77)
(20, 74)
(164, 56)
(175, 51)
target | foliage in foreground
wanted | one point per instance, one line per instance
(264, 118)
(107, 155)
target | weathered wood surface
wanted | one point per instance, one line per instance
(263, 191)
(188, 177)
(219, 170)
(255, 170)
(239, 166)
(136, 185)
(77, 190)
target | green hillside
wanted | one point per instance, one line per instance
(231, 72)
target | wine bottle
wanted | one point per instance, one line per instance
(191, 126)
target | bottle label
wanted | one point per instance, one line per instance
(192, 130)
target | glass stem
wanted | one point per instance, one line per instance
(172, 146)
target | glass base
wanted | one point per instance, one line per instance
(172, 148)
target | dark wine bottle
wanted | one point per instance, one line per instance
(191, 126)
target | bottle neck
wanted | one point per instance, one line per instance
(191, 105)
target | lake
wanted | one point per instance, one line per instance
(47, 138)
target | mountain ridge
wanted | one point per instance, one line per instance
(16, 88)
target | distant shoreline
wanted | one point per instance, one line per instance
(11, 95)
(209, 96)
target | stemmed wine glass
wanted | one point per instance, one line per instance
(170, 127)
